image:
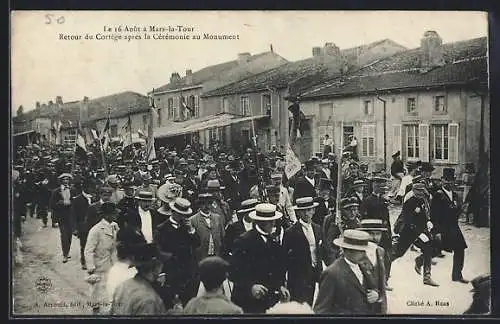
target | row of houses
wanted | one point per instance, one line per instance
(430, 102)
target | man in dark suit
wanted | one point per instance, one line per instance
(233, 184)
(235, 229)
(145, 217)
(177, 238)
(444, 215)
(415, 228)
(79, 206)
(346, 287)
(374, 206)
(357, 190)
(302, 242)
(375, 259)
(325, 200)
(258, 264)
(93, 212)
(127, 204)
(306, 186)
(60, 203)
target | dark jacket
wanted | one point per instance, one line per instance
(303, 188)
(444, 217)
(397, 167)
(340, 292)
(134, 219)
(375, 207)
(302, 277)
(322, 211)
(59, 210)
(79, 207)
(257, 262)
(93, 215)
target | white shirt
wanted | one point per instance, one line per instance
(89, 197)
(372, 253)
(356, 269)
(146, 224)
(327, 172)
(309, 234)
(328, 142)
(311, 181)
(448, 193)
(405, 181)
(118, 273)
(262, 233)
(246, 225)
(206, 217)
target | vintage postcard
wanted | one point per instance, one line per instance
(257, 162)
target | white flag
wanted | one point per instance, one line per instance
(292, 163)
(94, 134)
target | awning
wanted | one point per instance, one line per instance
(24, 133)
(199, 124)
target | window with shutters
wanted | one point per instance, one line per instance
(411, 106)
(412, 142)
(368, 107)
(444, 143)
(244, 106)
(225, 105)
(368, 140)
(196, 106)
(440, 105)
(170, 107)
(266, 104)
(176, 108)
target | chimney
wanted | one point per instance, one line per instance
(331, 49)
(59, 101)
(243, 57)
(316, 51)
(189, 77)
(37, 105)
(175, 78)
(85, 99)
(432, 50)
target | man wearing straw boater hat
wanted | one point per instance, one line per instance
(242, 225)
(306, 186)
(325, 200)
(346, 286)
(177, 238)
(258, 264)
(302, 241)
(444, 215)
(60, 203)
(375, 260)
(145, 217)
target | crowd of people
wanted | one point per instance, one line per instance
(214, 232)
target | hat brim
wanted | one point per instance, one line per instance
(246, 210)
(144, 199)
(314, 205)
(340, 242)
(253, 215)
(183, 212)
(351, 205)
(379, 229)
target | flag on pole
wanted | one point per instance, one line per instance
(80, 139)
(292, 163)
(106, 129)
(126, 133)
(151, 153)
(95, 136)
(141, 134)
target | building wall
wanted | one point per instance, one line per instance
(274, 131)
(140, 121)
(462, 109)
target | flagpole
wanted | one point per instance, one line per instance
(339, 179)
(102, 149)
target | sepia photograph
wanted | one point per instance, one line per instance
(194, 163)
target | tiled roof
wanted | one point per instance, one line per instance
(228, 72)
(310, 71)
(465, 61)
(120, 103)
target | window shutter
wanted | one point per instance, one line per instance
(371, 140)
(364, 140)
(197, 106)
(396, 138)
(423, 141)
(453, 142)
(176, 107)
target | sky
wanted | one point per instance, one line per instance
(44, 66)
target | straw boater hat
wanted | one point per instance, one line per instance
(372, 225)
(353, 240)
(247, 206)
(349, 202)
(397, 153)
(65, 175)
(205, 196)
(305, 203)
(144, 195)
(181, 206)
(265, 212)
(358, 183)
(214, 185)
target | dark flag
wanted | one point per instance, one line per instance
(298, 117)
